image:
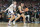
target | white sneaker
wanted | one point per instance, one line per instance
(9, 24)
(14, 22)
(24, 23)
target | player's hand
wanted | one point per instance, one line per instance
(3, 11)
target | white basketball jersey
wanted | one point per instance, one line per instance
(11, 8)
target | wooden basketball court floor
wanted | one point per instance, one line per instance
(5, 24)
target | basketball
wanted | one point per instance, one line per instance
(26, 9)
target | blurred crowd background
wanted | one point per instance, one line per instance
(33, 6)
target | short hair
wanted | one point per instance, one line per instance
(13, 1)
(22, 2)
(25, 6)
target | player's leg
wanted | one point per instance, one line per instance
(12, 17)
(10, 20)
(23, 17)
(17, 17)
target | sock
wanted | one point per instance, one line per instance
(9, 22)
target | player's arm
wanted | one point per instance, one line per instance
(9, 7)
(6, 10)
(20, 9)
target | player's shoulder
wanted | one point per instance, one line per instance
(12, 4)
(19, 6)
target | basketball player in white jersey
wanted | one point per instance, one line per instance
(10, 9)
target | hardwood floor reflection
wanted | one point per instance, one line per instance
(5, 24)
